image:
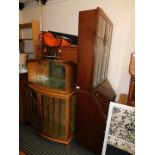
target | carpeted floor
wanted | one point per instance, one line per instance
(32, 144)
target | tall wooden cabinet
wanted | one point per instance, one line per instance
(29, 38)
(93, 91)
(95, 32)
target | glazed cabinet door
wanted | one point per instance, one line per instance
(57, 121)
(53, 117)
(32, 107)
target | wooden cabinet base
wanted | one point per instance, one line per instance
(59, 140)
(51, 113)
(91, 116)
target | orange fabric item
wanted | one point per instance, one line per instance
(50, 40)
(65, 42)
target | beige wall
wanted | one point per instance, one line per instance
(121, 12)
(62, 16)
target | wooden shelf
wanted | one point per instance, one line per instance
(25, 39)
(26, 25)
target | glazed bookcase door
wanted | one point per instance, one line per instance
(99, 52)
(109, 29)
(95, 33)
(102, 50)
(32, 108)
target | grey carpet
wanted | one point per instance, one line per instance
(32, 144)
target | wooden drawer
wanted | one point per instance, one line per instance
(68, 53)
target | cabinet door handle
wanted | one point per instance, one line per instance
(59, 51)
(77, 87)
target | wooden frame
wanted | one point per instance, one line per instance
(131, 93)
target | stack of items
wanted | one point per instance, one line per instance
(52, 42)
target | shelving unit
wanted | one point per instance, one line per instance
(29, 33)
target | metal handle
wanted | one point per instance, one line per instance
(77, 87)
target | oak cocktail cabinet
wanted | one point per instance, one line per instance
(51, 99)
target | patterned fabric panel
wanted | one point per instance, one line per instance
(122, 129)
(121, 144)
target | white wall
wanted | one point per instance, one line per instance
(62, 16)
(121, 12)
